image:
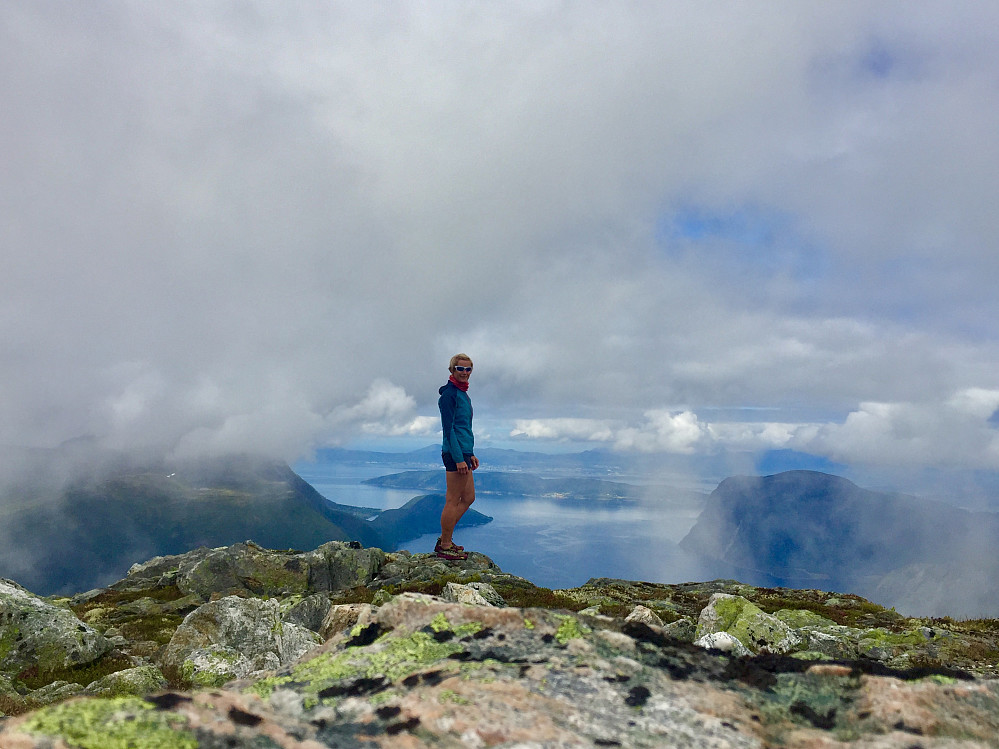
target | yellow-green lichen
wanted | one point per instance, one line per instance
(440, 623)
(391, 657)
(449, 695)
(568, 629)
(113, 723)
(8, 636)
(940, 679)
(382, 697)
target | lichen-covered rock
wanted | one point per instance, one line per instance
(723, 641)
(422, 672)
(758, 631)
(214, 666)
(308, 612)
(157, 572)
(341, 566)
(36, 634)
(54, 692)
(798, 618)
(403, 568)
(458, 593)
(249, 628)
(345, 616)
(11, 701)
(683, 629)
(130, 681)
(244, 568)
(102, 722)
(645, 615)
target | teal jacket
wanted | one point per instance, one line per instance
(456, 418)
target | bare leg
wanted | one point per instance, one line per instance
(457, 499)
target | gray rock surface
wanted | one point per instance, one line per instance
(234, 636)
(36, 634)
(131, 681)
(608, 664)
(757, 631)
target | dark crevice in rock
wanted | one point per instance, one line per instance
(357, 688)
(637, 696)
(243, 718)
(367, 635)
(167, 701)
(825, 721)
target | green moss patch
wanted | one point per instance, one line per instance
(846, 610)
(109, 598)
(114, 723)
(522, 597)
(569, 628)
(33, 678)
(388, 660)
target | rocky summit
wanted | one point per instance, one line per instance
(347, 646)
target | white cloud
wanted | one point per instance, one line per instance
(946, 434)
(955, 432)
(223, 224)
(588, 430)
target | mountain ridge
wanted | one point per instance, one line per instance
(808, 527)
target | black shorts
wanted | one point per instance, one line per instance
(449, 465)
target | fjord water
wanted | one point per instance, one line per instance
(554, 543)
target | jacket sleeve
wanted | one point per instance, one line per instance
(449, 409)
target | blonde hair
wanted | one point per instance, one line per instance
(457, 358)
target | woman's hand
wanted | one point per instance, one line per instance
(462, 467)
(475, 462)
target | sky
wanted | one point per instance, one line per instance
(667, 229)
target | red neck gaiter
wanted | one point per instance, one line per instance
(462, 386)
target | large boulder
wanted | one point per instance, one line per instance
(308, 612)
(131, 681)
(476, 594)
(36, 634)
(244, 568)
(232, 637)
(344, 617)
(758, 631)
(247, 568)
(341, 566)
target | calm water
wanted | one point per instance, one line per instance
(554, 544)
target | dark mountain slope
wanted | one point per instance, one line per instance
(806, 527)
(89, 531)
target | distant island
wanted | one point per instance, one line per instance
(522, 484)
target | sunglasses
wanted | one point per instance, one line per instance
(462, 369)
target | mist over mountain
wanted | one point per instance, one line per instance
(811, 529)
(70, 526)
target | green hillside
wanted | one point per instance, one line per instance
(91, 531)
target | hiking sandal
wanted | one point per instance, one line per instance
(453, 546)
(453, 554)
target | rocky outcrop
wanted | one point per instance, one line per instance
(407, 650)
(232, 637)
(35, 634)
(755, 630)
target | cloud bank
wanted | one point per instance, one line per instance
(255, 226)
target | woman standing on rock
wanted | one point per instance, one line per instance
(457, 452)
